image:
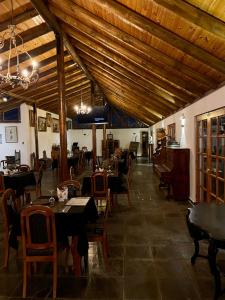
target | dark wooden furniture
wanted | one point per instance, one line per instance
(8, 209)
(210, 156)
(174, 172)
(144, 143)
(39, 242)
(111, 145)
(133, 147)
(209, 217)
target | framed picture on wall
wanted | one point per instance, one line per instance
(31, 118)
(110, 136)
(55, 125)
(48, 119)
(42, 124)
(11, 134)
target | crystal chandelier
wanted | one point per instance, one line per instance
(82, 109)
(21, 77)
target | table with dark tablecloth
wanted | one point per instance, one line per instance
(71, 223)
(114, 183)
(19, 181)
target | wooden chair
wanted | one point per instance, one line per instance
(38, 240)
(97, 232)
(74, 185)
(2, 185)
(99, 188)
(9, 209)
(23, 168)
(34, 188)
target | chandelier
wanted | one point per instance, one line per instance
(82, 109)
(22, 77)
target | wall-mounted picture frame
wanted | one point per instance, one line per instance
(110, 136)
(11, 135)
(48, 119)
(55, 125)
(42, 124)
(31, 118)
(68, 124)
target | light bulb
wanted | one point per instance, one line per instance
(25, 73)
(4, 99)
(34, 64)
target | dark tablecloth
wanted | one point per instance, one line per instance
(114, 183)
(72, 223)
(19, 181)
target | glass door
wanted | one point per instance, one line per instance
(210, 156)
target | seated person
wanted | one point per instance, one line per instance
(55, 156)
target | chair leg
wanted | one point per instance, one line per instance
(128, 198)
(76, 257)
(24, 279)
(6, 251)
(196, 253)
(54, 285)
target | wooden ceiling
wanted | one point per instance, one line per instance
(148, 58)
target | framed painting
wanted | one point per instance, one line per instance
(55, 125)
(31, 118)
(48, 119)
(110, 136)
(42, 124)
(11, 134)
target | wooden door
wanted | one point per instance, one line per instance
(210, 156)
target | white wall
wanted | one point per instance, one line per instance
(186, 135)
(84, 137)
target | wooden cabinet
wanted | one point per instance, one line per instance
(111, 145)
(144, 143)
(210, 156)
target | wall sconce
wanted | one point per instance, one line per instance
(182, 118)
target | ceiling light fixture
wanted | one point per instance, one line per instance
(21, 77)
(82, 109)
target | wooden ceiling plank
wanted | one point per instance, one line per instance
(171, 101)
(148, 27)
(148, 66)
(96, 59)
(19, 18)
(136, 95)
(195, 15)
(52, 22)
(73, 12)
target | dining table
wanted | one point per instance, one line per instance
(19, 180)
(210, 218)
(70, 220)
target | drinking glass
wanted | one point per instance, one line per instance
(51, 200)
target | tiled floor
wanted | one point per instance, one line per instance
(150, 251)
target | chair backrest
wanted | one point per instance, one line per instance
(99, 184)
(9, 208)
(38, 231)
(2, 186)
(23, 168)
(74, 187)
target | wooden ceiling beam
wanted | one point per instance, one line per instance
(167, 102)
(27, 13)
(134, 112)
(195, 15)
(110, 66)
(132, 93)
(46, 97)
(141, 89)
(69, 9)
(86, 35)
(52, 22)
(139, 23)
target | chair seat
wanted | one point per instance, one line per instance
(40, 252)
